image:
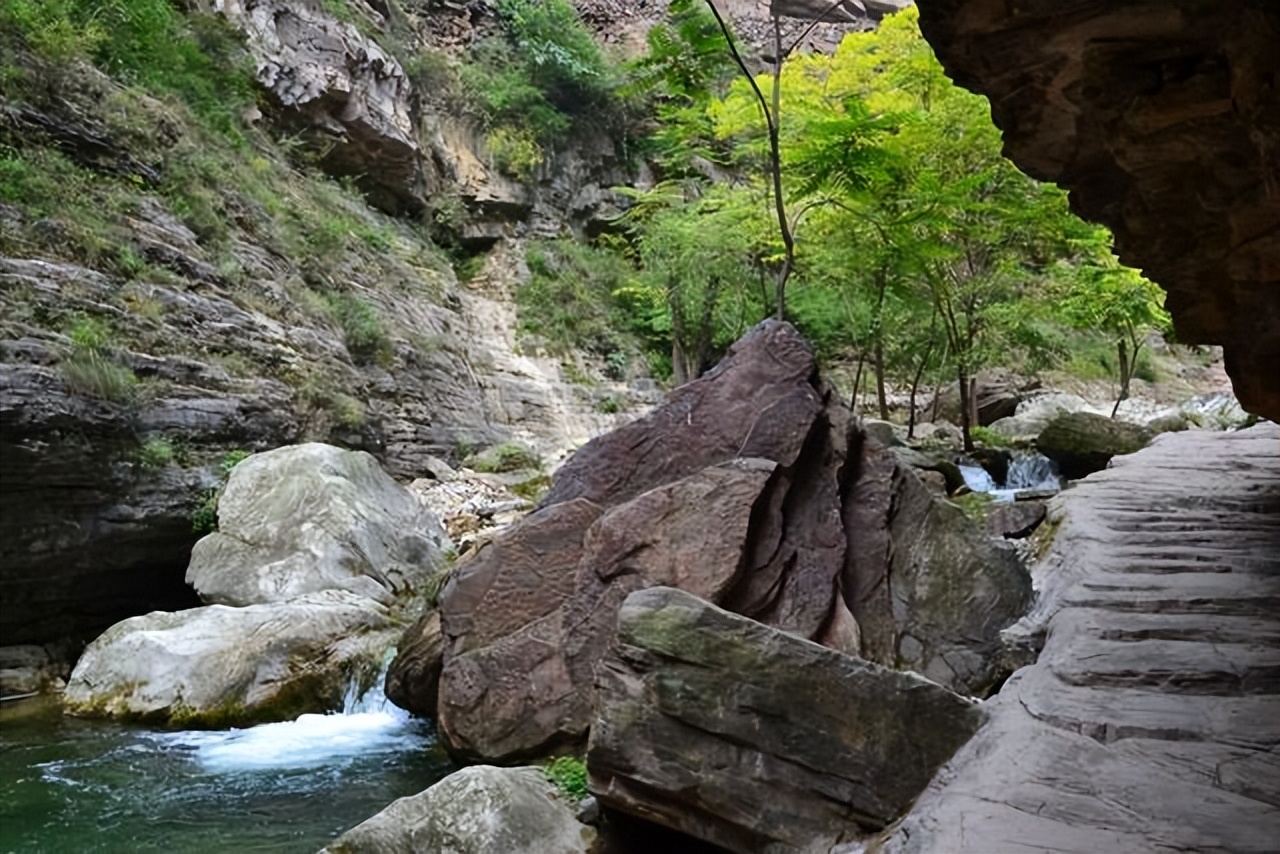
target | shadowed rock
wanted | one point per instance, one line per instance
(755, 739)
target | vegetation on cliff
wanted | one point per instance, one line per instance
(920, 256)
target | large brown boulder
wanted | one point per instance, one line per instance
(519, 668)
(730, 489)
(755, 739)
(751, 488)
(1082, 443)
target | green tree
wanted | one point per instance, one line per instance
(1101, 294)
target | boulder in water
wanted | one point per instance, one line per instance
(478, 810)
(313, 517)
(1082, 443)
(221, 666)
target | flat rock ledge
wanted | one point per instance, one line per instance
(755, 739)
(1151, 721)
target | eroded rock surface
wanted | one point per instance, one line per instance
(750, 487)
(755, 739)
(1149, 720)
(314, 517)
(478, 810)
(1160, 117)
(221, 666)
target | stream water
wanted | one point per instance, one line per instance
(1026, 471)
(71, 786)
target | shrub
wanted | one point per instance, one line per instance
(515, 151)
(990, 438)
(570, 299)
(204, 519)
(362, 330)
(233, 459)
(92, 369)
(156, 452)
(569, 774)
(508, 456)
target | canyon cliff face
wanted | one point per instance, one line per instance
(1161, 119)
(229, 323)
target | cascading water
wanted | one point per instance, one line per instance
(1027, 470)
(90, 786)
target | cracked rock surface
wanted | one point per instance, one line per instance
(1151, 720)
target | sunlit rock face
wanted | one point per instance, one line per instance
(1160, 117)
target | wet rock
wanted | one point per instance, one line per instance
(1082, 443)
(1148, 721)
(314, 517)
(478, 810)
(927, 461)
(221, 666)
(951, 590)
(29, 669)
(789, 746)
(414, 683)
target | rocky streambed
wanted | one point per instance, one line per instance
(753, 619)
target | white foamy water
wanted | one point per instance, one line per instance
(368, 726)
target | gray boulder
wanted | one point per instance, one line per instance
(1082, 443)
(952, 590)
(220, 666)
(313, 517)
(755, 739)
(478, 810)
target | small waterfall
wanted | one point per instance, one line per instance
(1027, 470)
(367, 725)
(1032, 471)
(976, 477)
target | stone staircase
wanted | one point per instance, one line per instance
(1151, 719)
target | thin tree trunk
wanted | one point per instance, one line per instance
(965, 425)
(881, 398)
(857, 383)
(915, 381)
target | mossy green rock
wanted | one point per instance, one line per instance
(1082, 443)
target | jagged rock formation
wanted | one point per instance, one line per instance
(1149, 720)
(754, 739)
(233, 346)
(1160, 117)
(329, 76)
(750, 487)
